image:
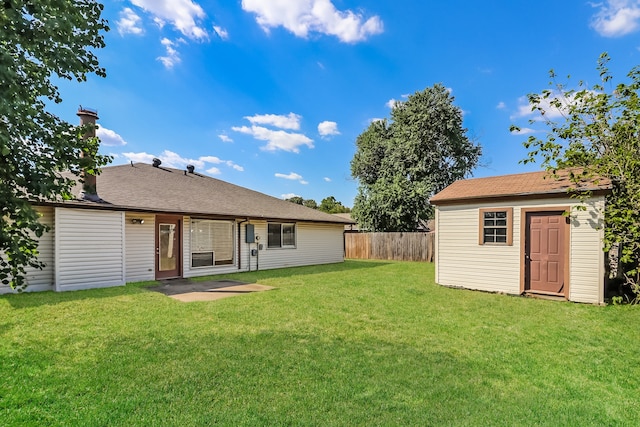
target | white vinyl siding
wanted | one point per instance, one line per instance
(462, 262)
(90, 249)
(315, 244)
(140, 247)
(40, 280)
(587, 257)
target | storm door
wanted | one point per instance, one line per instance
(168, 247)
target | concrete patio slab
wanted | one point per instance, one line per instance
(187, 291)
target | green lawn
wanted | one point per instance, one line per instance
(359, 343)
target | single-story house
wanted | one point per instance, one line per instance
(140, 222)
(521, 234)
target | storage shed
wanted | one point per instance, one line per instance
(521, 234)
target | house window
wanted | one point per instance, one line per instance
(211, 243)
(496, 226)
(281, 235)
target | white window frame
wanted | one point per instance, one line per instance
(193, 249)
(282, 226)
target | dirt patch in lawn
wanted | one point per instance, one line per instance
(187, 291)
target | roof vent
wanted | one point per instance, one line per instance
(156, 162)
(191, 168)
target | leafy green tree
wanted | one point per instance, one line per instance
(296, 199)
(40, 40)
(310, 203)
(331, 205)
(598, 137)
(401, 163)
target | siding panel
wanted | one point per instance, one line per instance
(462, 262)
(315, 244)
(140, 247)
(90, 249)
(40, 280)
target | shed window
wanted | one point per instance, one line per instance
(211, 243)
(496, 226)
(281, 235)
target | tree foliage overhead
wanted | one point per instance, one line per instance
(598, 135)
(40, 40)
(401, 163)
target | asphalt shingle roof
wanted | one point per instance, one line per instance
(142, 187)
(532, 184)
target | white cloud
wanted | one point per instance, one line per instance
(289, 195)
(327, 179)
(616, 17)
(225, 138)
(523, 131)
(235, 166)
(185, 15)
(376, 119)
(159, 22)
(211, 159)
(171, 159)
(218, 161)
(391, 103)
(129, 22)
(501, 105)
(551, 112)
(328, 128)
(313, 16)
(109, 137)
(172, 57)
(276, 139)
(221, 32)
(292, 176)
(139, 157)
(290, 121)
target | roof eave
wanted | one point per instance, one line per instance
(511, 196)
(80, 204)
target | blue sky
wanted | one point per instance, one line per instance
(272, 94)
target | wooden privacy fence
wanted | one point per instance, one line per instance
(393, 246)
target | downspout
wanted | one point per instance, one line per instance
(240, 243)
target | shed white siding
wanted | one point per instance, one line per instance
(587, 268)
(462, 262)
(89, 249)
(140, 247)
(40, 280)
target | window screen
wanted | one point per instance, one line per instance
(211, 242)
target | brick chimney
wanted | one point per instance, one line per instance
(89, 116)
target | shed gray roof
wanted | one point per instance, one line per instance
(142, 187)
